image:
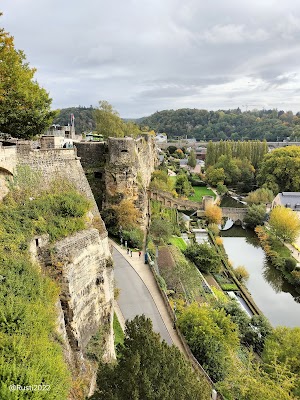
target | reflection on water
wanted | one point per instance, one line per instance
(274, 296)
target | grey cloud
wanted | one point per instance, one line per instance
(144, 55)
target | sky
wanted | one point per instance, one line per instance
(144, 56)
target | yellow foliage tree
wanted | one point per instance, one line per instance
(127, 214)
(213, 214)
(284, 223)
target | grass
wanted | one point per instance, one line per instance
(201, 191)
(119, 334)
(178, 242)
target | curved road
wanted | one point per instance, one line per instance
(135, 298)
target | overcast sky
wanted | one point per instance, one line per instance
(149, 55)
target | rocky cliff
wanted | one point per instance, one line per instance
(130, 163)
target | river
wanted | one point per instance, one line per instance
(272, 295)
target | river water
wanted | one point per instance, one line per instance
(273, 296)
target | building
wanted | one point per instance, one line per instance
(161, 138)
(287, 199)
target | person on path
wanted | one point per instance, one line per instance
(130, 252)
(126, 243)
(140, 253)
(127, 250)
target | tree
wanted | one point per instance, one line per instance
(279, 170)
(108, 121)
(260, 196)
(192, 161)
(284, 223)
(284, 346)
(256, 214)
(148, 369)
(212, 337)
(215, 176)
(161, 229)
(241, 273)
(213, 214)
(182, 186)
(204, 257)
(127, 214)
(247, 380)
(24, 105)
(221, 189)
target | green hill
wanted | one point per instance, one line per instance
(84, 121)
(271, 125)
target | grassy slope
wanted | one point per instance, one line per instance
(200, 192)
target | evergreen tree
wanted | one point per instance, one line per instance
(148, 369)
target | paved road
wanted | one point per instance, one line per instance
(135, 298)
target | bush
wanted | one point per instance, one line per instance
(204, 257)
(290, 264)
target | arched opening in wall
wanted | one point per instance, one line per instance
(98, 175)
(124, 151)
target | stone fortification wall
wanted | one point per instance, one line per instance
(55, 163)
(92, 155)
(130, 163)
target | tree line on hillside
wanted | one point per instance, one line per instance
(271, 125)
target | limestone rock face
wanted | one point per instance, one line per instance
(82, 265)
(130, 163)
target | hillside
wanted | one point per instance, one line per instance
(271, 125)
(84, 121)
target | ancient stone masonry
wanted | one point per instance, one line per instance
(81, 263)
(130, 163)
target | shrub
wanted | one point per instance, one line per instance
(204, 257)
(290, 264)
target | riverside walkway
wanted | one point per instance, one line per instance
(139, 294)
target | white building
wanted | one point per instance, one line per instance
(161, 138)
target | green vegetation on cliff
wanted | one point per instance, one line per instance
(30, 351)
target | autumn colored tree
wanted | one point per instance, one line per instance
(127, 214)
(24, 105)
(241, 273)
(213, 214)
(284, 223)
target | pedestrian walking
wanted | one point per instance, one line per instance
(140, 253)
(126, 243)
(130, 252)
(127, 250)
(121, 240)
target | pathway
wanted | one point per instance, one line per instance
(139, 293)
